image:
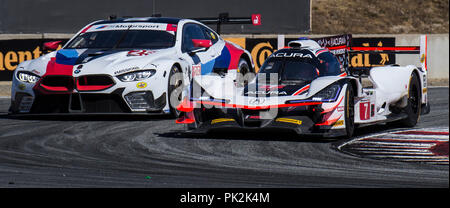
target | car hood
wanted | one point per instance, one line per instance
(98, 61)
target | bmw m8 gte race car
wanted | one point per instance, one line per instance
(125, 65)
(307, 89)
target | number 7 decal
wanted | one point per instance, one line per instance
(364, 111)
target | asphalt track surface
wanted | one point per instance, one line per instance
(130, 151)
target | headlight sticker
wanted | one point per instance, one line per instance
(21, 86)
(141, 85)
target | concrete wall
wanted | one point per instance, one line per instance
(63, 16)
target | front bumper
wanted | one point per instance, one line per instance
(302, 120)
(88, 94)
(114, 102)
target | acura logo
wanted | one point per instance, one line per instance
(257, 101)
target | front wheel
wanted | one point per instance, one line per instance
(349, 111)
(413, 107)
(174, 90)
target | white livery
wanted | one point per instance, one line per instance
(127, 65)
(307, 89)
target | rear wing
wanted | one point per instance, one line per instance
(341, 46)
(224, 18)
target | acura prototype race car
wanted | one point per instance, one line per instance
(308, 88)
(124, 65)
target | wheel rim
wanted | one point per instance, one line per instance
(243, 70)
(178, 82)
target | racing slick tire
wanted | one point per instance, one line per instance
(349, 111)
(413, 107)
(244, 70)
(174, 90)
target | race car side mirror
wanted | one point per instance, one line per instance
(53, 45)
(202, 43)
(195, 50)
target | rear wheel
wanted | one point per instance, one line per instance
(349, 111)
(414, 101)
(175, 87)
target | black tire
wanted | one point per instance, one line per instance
(413, 107)
(244, 69)
(349, 111)
(174, 88)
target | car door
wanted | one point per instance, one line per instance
(201, 62)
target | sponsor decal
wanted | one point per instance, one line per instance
(422, 58)
(293, 55)
(256, 101)
(131, 26)
(196, 70)
(259, 92)
(371, 60)
(289, 120)
(332, 41)
(139, 52)
(101, 27)
(316, 98)
(340, 108)
(126, 70)
(338, 123)
(220, 120)
(171, 27)
(22, 87)
(141, 85)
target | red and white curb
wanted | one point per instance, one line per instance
(417, 145)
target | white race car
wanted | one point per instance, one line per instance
(307, 89)
(125, 65)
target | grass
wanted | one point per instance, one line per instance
(376, 16)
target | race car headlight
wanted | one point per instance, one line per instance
(328, 94)
(136, 76)
(27, 77)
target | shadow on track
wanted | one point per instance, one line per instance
(275, 134)
(250, 134)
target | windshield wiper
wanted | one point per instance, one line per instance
(121, 38)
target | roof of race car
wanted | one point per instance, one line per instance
(168, 20)
(294, 53)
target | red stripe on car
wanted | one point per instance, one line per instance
(303, 89)
(235, 55)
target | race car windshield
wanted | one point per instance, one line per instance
(136, 39)
(289, 70)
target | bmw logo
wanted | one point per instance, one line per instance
(77, 71)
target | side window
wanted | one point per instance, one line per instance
(191, 31)
(329, 65)
(211, 35)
